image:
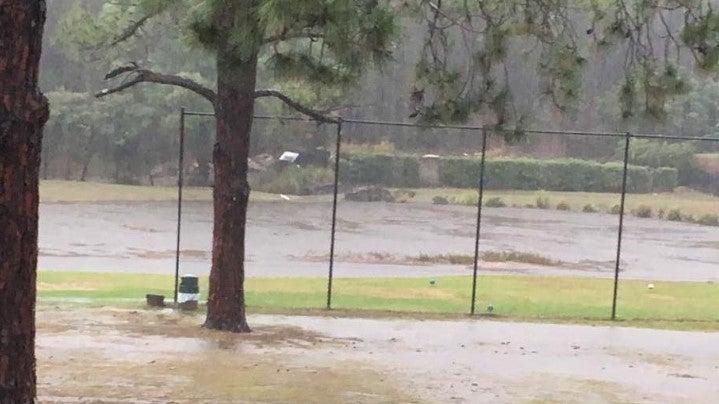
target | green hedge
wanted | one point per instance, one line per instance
(506, 173)
(389, 170)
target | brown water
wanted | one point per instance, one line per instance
(109, 356)
(141, 238)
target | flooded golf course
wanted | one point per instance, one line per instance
(159, 356)
(373, 240)
(112, 355)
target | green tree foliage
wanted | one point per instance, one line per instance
(558, 36)
(322, 43)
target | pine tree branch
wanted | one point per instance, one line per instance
(148, 76)
(314, 114)
(286, 36)
(131, 29)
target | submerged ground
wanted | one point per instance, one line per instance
(292, 239)
(105, 355)
(101, 253)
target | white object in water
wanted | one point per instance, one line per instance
(289, 156)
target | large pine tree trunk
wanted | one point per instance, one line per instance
(23, 112)
(234, 109)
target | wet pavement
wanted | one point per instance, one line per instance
(140, 237)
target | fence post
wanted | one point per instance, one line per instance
(479, 219)
(334, 213)
(627, 137)
(180, 180)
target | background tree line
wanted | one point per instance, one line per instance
(132, 138)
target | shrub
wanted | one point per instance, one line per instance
(661, 213)
(675, 215)
(542, 202)
(657, 153)
(495, 202)
(467, 198)
(664, 179)
(440, 200)
(380, 169)
(563, 206)
(643, 211)
(709, 220)
(293, 180)
(589, 208)
(615, 209)
(403, 195)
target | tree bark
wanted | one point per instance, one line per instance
(234, 109)
(23, 113)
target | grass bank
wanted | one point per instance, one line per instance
(688, 202)
(53, 191)
(672, 305)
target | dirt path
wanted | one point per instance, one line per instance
(105, 355)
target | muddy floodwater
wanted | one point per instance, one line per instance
(292, 239)
(112, 355)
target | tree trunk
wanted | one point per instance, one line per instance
(234, 108)
(23, 112)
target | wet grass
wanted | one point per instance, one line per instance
(689, 202)
(379, 257)
(519, 256)
(674, 305)
(54, 191)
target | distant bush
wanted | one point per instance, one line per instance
(293, 180)
(542, 202)
(657, 153)
(381, 169)
(664, 179)
(563, 206)
(709, 220)
(589, 208)
(615, 209)
(467, 198)
(495, 202)
(643, 211)
(661, 213)
(675, 215)
(440, 200)
(404, 195)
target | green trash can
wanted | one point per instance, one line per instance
(189, 289)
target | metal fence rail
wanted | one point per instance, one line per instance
(627, 136)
